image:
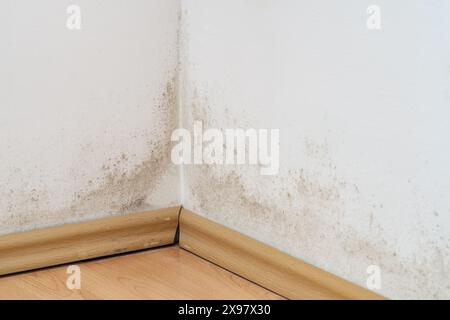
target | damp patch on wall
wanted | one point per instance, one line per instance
(312, 211)
(117, 188)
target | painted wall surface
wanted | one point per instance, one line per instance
(86, 115)
(364, 119)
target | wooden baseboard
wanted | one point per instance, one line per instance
(262, 264)
(92, 239)
(229, 249)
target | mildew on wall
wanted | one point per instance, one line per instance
(87, 114)
(86, 119)
(363, 165)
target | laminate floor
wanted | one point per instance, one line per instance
(163, 273)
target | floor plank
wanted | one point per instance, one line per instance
(164, 273)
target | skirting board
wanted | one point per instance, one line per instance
(92, 239)
(262, 264)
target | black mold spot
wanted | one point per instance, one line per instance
(293, 211)
(118, 191)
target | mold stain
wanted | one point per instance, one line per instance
(118, 191)
(210, 186)
(304, 214)
(125, 192)
(301, 227)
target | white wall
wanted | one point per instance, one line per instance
(364, 119)
(86, 115)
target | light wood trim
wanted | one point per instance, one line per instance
(161, 273)
(81, 241)
(264, 265)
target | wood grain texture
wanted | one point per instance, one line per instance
(162, 273)
(262, 264)
(75, 242)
